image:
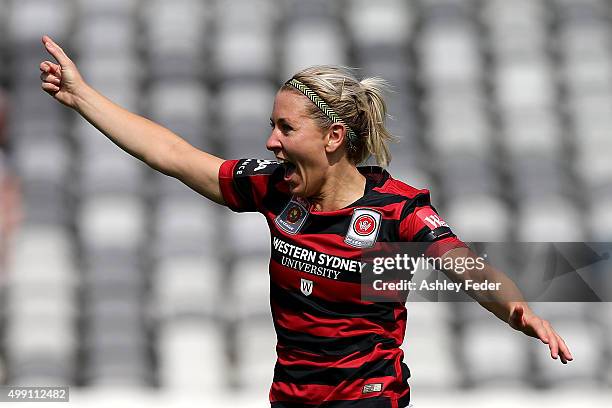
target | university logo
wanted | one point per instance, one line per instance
(363, 229)
(292, 218)
(306, 286)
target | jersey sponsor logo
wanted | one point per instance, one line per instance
(368, 388)
(306, 286)
(292, 218)
(363, 229)
(430, 218)
(262, 164)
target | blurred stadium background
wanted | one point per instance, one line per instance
(136, 291)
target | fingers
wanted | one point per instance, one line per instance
(564, 352)
(56, 51)
(50, 78)
(50, 88)
(558, 348)
(48, 66)
(553, 343)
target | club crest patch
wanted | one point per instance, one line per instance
(292, 218)
(363, 229)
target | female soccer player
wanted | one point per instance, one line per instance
(334, 349)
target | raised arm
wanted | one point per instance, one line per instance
(508, 303)
(153, 144)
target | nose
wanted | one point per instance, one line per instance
(273, 144)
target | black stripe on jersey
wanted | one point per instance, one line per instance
(343, 276)
(419, 200)
(339, 225)
(304, 374)
(297, 303)
(426, 234)
(376, 402)
(275, 201)
(331, 346)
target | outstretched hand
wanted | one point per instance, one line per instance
(61, 80)
(533, 326)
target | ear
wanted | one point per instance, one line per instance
(335, 137)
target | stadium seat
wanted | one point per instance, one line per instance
(192, 354)
(493, 355)
(256, 353)
(249, 286)
(188, 286)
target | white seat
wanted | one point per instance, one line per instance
(312, 43)
(89, 8)
(28, 19)
(255, 344)
(495, 354)
(250, 287)
(455, 42)
(244, 54)
(248, 234)
(112, 221)
(42, 255)
(184, 225)
(188, 286)
(106, 35)
(458, 125)
(529, 130)
(599, 220)
(192, 94)
(381, 22)
(192, 355)
(481, 218)
(549, 219)
(525, 84)
(177, 28)
(428, 353)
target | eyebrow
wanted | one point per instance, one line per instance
(282, 121)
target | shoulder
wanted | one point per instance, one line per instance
(403, 191)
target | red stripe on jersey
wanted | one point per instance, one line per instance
(335, 327)
(290, 356)
(393, 186)
(226, 185)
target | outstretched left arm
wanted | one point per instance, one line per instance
(508, 303)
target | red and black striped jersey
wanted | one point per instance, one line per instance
(334, 349)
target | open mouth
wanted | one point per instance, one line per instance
(289, 168)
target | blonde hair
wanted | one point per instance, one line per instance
(359, 104)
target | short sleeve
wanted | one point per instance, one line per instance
(245, 183)
(420, 222)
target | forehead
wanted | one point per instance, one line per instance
(289, 104)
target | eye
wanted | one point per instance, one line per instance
(271, 124)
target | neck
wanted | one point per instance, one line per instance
(344, 185)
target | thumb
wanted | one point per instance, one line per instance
(56, 51)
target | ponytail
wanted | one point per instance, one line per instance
(378, 136)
